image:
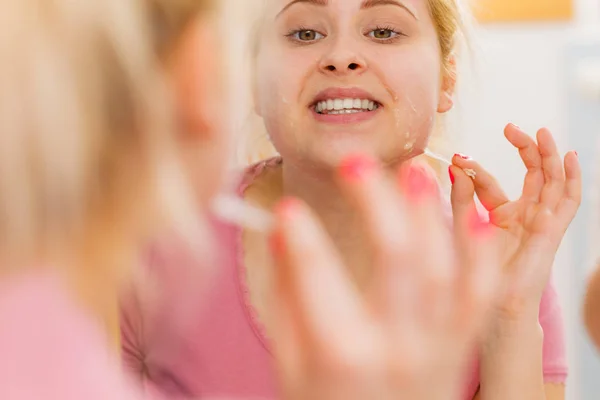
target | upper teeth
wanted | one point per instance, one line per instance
(345, 104)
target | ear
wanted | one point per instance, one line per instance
(196, 73)
(446, 100)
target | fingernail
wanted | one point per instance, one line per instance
(419, 184)
(451, 175)
(462, 156)
(356, 167)
(516, 126)
(478, 226)
(287, 208)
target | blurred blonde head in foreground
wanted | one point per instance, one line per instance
(89, 164)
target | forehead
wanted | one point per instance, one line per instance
(277, 6)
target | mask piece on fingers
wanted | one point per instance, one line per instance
(468, 171)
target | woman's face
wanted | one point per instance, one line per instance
(344, 76)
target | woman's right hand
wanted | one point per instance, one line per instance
(413, 333)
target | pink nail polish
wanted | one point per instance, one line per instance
(464, 157)
(452, 179)
(356, 167)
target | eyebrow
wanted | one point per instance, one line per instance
(375, 3)
(365, 5)
(321, 3)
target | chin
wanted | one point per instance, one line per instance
(333, 152)
(326, 149)
(329, 158)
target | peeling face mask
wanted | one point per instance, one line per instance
(469, 172)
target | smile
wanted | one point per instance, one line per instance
(345, 106)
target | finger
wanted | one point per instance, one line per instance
(287, 346)
(480, 276)
(472, 246)
(320, 294)
(462, 200)
(431, 250)
(571, 200)
(552, 167)
(378, 203)
(463, 210)
(530, 154)
(487, 188)
(379, 207)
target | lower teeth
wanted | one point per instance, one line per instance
(338, 112)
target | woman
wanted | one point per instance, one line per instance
(397, 59)
(401, 66)
(332, 80)
(89, 170)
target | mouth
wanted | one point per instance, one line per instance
(343, 106)
(344, 101)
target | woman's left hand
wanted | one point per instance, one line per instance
(532, 227)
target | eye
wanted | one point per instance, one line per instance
(383, 34)
(306, 35)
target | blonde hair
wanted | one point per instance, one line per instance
(448, 18)
(85, 129)
(451, 21)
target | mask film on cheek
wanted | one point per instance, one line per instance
(406, 120)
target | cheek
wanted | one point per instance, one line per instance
(412, 75)
(280, 74)
(414, 79)
(414, 82)
(279, 85)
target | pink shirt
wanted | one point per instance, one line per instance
(50, 349)
(220, 350)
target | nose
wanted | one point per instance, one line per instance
(342, 62)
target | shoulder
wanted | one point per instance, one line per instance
(251, 173)
(53, 349)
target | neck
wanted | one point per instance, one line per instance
(95, 275)
(322, 194)
(99, 296)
